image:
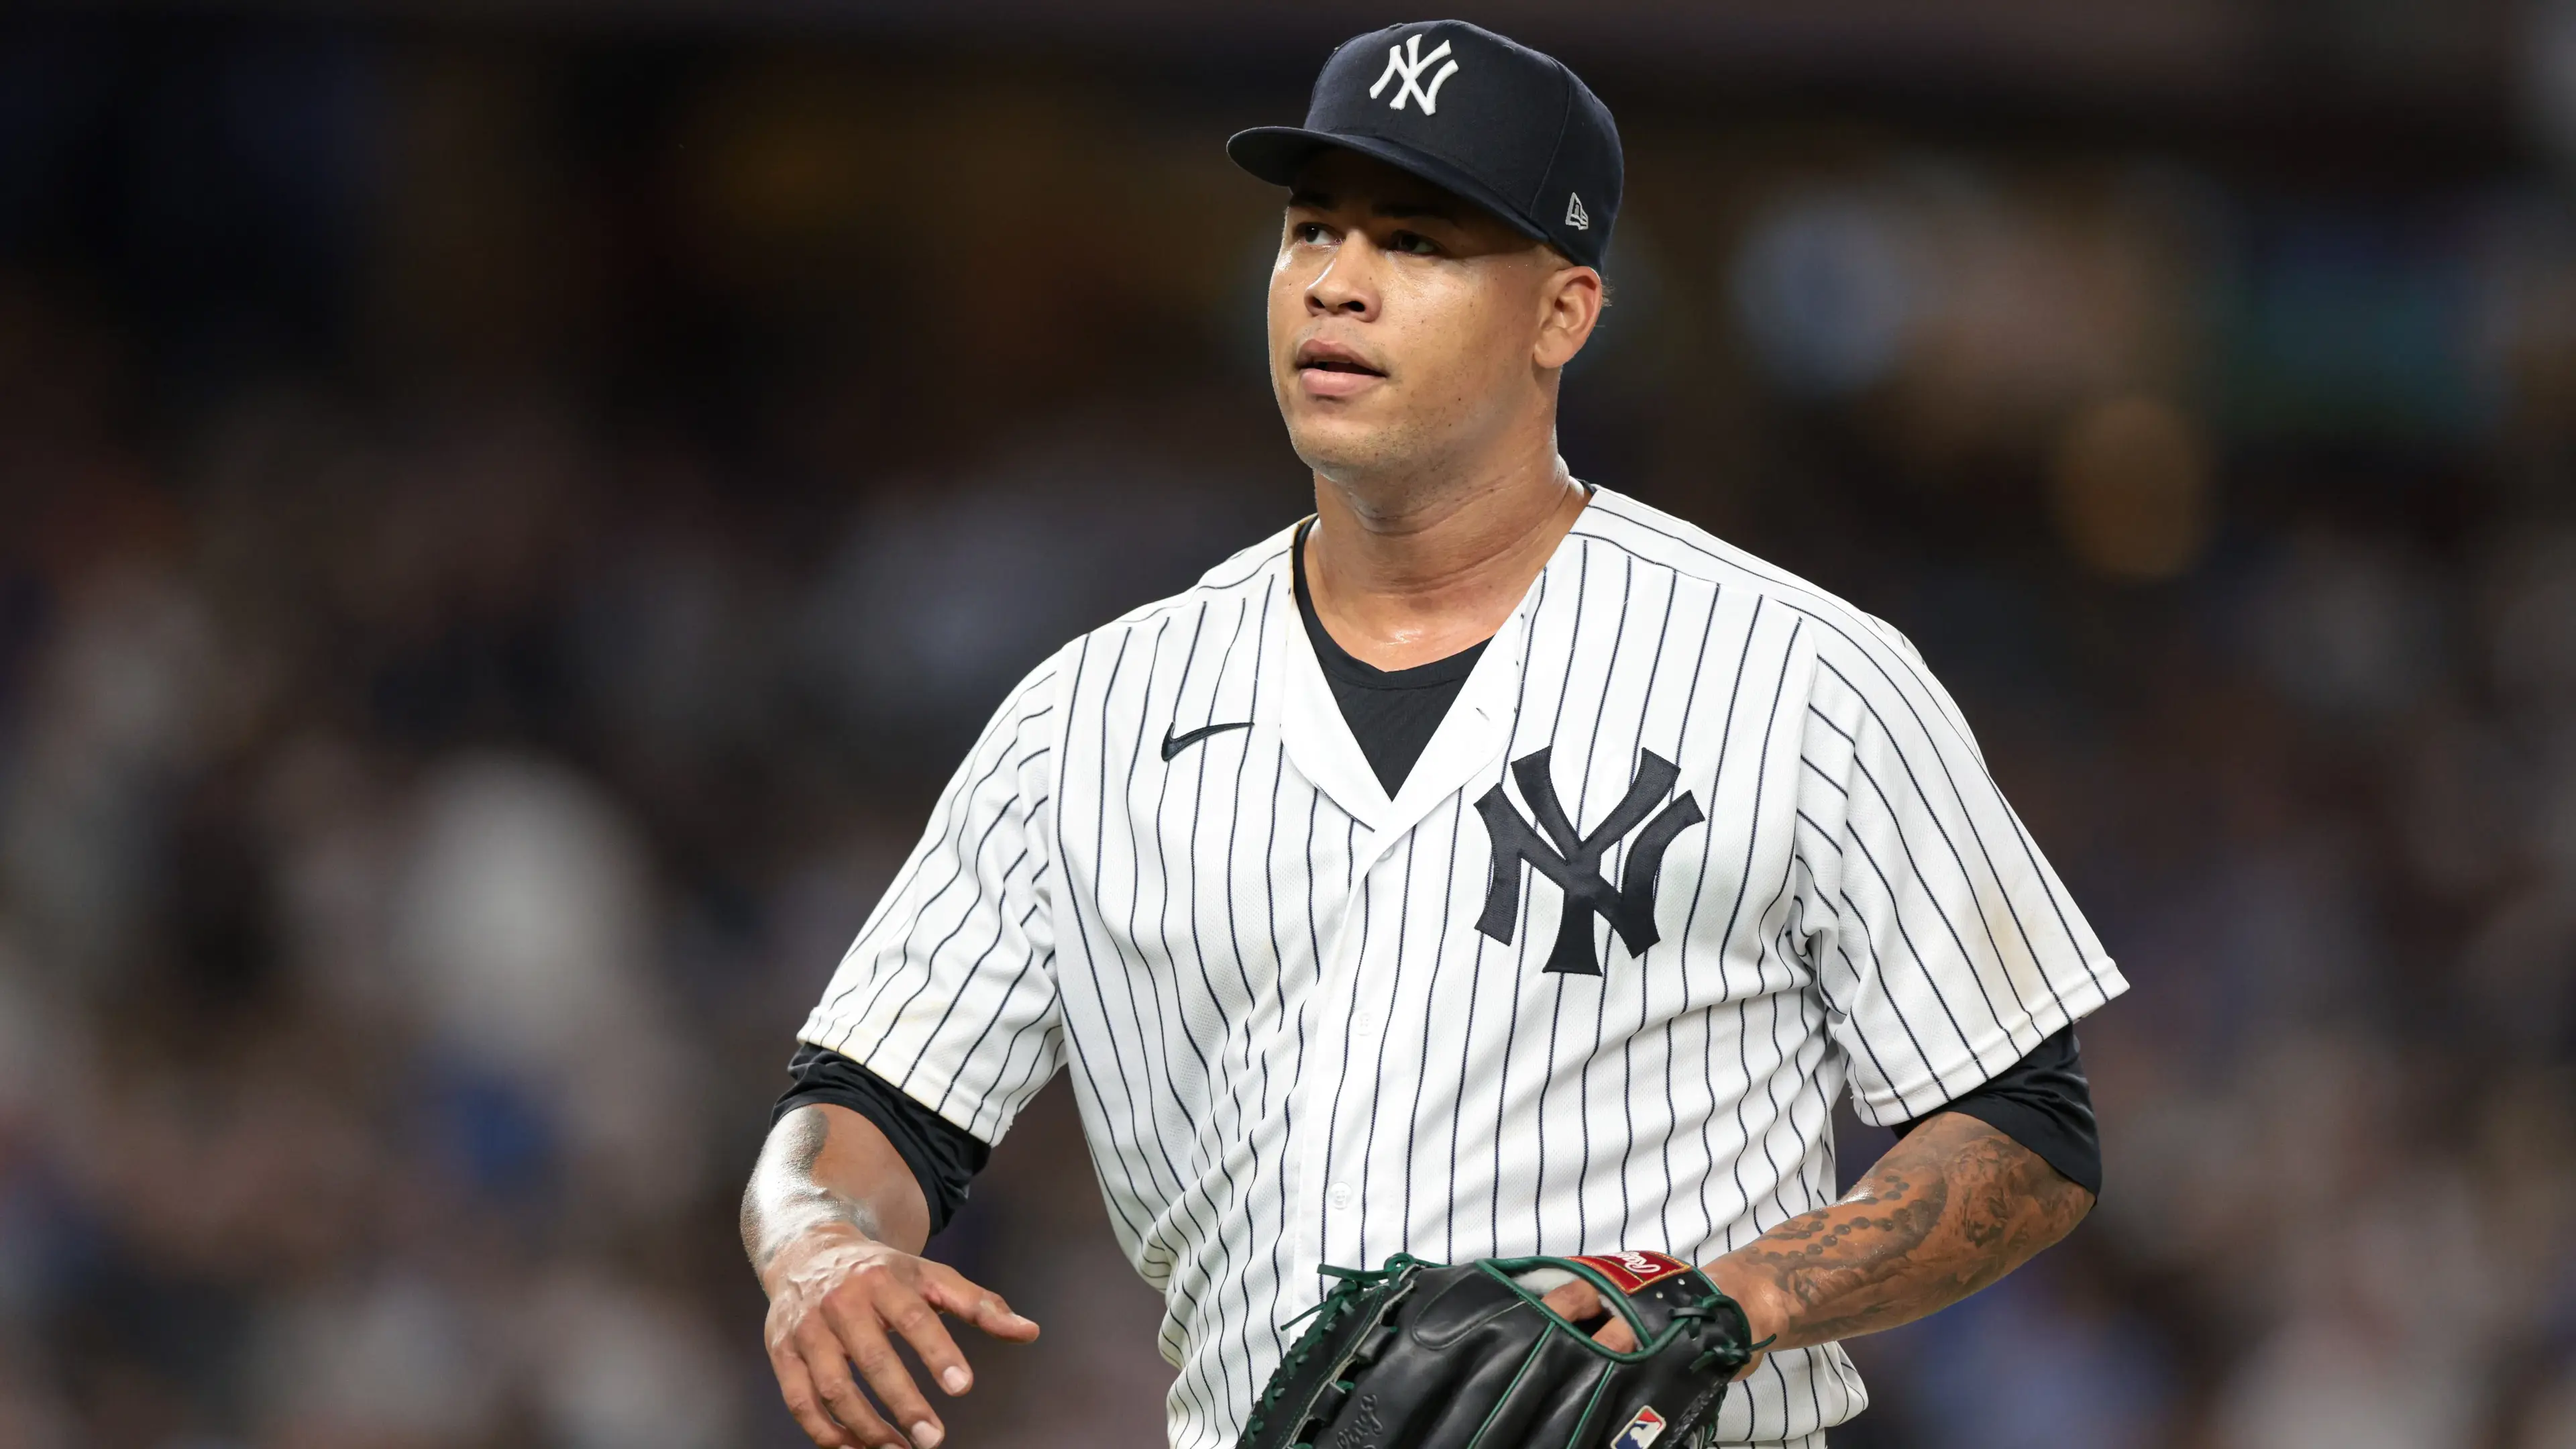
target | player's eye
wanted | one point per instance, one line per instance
(1412, 243)
(1308, 233)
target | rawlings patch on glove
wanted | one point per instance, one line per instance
(1417, 1355)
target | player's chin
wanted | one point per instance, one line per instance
(1333, 442)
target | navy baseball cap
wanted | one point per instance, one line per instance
(1471, 112)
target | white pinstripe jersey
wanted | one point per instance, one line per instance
(1292, 1042)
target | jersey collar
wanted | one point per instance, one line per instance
(1466, 748)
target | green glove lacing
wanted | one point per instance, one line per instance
(1356, 1283)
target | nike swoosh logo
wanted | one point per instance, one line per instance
(1173, 744)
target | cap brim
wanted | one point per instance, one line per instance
(1274, 153)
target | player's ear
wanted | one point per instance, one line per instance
(1570, 302)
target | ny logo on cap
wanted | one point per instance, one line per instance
(1405, 64)
(1573, 860)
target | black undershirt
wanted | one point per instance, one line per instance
(943, 1157)
(1392, 712)
(2041, 1102)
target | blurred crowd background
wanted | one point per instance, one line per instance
(509, 513)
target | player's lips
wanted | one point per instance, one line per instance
(1330, 369)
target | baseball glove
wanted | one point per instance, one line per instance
(1418, 1355)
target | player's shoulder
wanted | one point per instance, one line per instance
(1834, 626)
(1242, 577)
(1074, 670)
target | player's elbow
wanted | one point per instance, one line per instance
(2054, 1204)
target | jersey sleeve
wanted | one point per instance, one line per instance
(949, 991)
(1944, 946)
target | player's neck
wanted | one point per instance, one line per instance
(1404, 575)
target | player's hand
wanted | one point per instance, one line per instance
(1579, 1302)
(838, 1297)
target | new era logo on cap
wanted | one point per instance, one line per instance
(1477, 114)
(1408, 62)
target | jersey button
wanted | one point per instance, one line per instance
(1341, 1197)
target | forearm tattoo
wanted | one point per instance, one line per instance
(1952, 1207)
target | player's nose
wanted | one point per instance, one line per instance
(1347, 286)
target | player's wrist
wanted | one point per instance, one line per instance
(796, 1249)
(1770, 1311)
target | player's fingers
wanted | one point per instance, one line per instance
(1617, 1336)
(953, 1292)
(1573, 1302)
(884, 1370)
(796, 1386)
(827, 1362)
(919, 1324)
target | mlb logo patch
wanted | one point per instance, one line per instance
(1642, 1431)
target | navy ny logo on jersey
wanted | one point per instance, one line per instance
(1573, 860)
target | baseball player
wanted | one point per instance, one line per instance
(1488, 864)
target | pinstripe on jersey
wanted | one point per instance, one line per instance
(1291, 1044)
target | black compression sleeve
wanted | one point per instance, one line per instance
(943, 1156)
(2043, 1103)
